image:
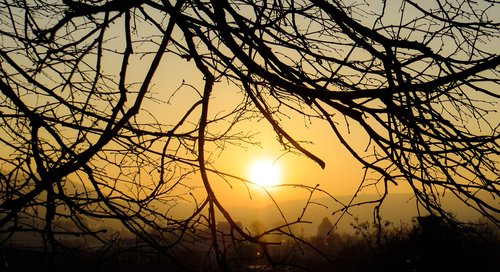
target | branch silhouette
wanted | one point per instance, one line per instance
(94, 130)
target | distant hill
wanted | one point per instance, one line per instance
(397, 208)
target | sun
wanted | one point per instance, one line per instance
(265, 173)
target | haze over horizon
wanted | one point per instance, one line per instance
(163, 123)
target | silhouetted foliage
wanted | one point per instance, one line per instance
(401, 248)
(81, 143)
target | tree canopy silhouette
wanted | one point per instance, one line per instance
(80, 142)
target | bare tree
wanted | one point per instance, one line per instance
(80, 143)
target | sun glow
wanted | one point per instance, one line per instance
(265, 173)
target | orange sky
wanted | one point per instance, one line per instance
(341, 175)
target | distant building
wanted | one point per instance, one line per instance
(324, 227)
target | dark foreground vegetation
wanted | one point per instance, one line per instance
(423, 246)
(143, 113)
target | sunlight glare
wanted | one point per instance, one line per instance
(265, 173)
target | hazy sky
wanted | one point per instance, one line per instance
(342, 173)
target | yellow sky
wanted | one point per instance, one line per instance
(341, 176)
